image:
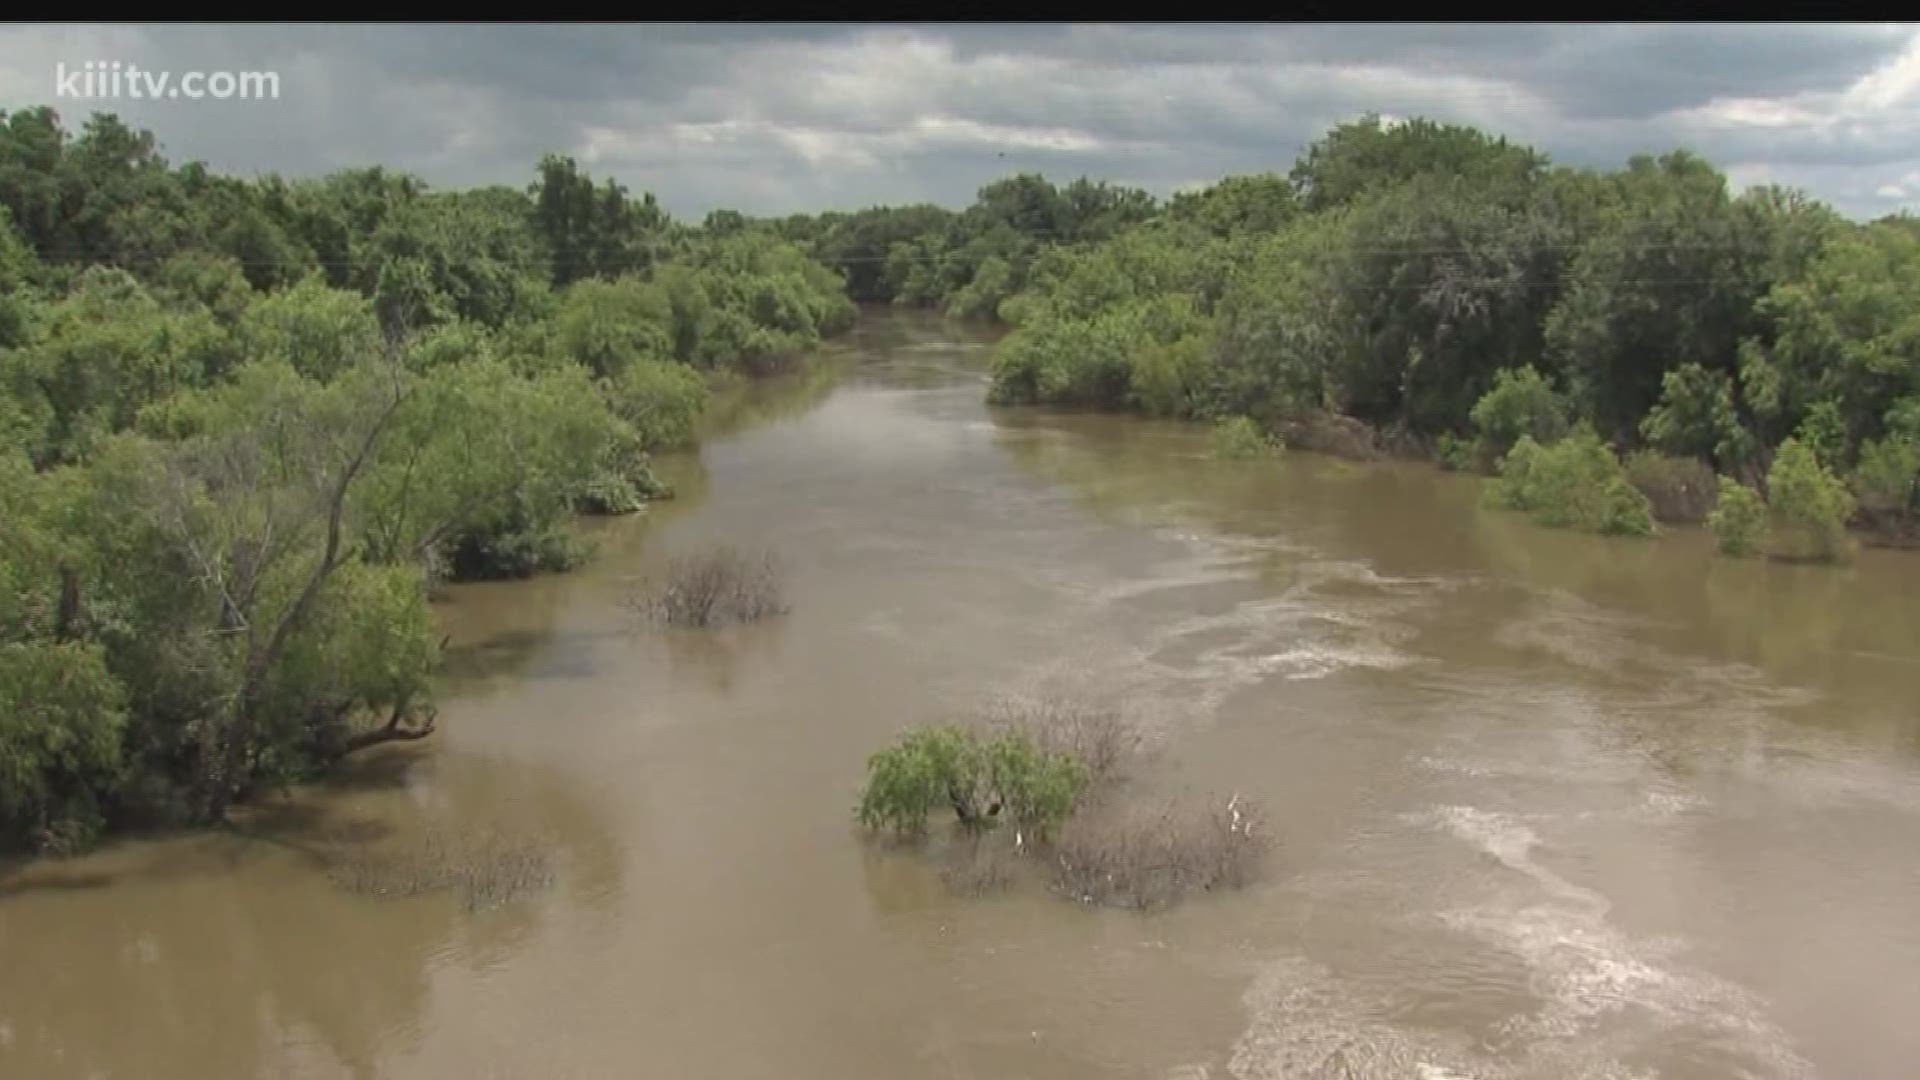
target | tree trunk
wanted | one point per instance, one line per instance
(66, 626)
(392, 731)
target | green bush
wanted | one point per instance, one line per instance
(1681, 490)
(62, 714)
(1239, 438)
(1695, 416)
(980, 298)
(514, 547)
(1824, 432)
(662, 401)
(1167, 379)
(1739, 520)
(980, 778)
(1521, 403)
(1808, 506)
(1576, 483)
(609, 325)
(1887, 478)
(321, 331)
(1057, 361)
(1454, 453)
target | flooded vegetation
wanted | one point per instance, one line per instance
(1517, 802)
(711, 588)
(1430, 615)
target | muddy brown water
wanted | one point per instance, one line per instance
(1549, 806)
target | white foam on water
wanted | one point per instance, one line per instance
(1575, 632)
(1305, 1025)
(1603, 1002)
(1614, 745)
(1512, 842)
(1721, 719)
(1319, 661)
(1601, 999)
(1589, 974)
(1334, 616)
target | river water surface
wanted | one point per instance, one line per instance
(1548, 806)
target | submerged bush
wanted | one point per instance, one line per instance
(483, 870)
(1168, 379)
(713, 588)
(519, 550)
(1049, 768)
(1239, 437)
(1331, 433)
(1680, 490)
(1887, 479)
(1575, 483)
(1103, 741)
(1739, 521)
(979, 868)
(1807, 506)
(1456, 454)
(981, 778)
(1149, 857)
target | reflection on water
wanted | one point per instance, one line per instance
(1550, 806)
(232, 954)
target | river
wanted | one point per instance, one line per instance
(1548, 806)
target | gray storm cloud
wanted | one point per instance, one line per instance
(772, 119)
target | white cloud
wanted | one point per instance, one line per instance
(780, 118)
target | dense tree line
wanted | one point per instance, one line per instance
(246, 424)
(966, 262)
(1429, 287)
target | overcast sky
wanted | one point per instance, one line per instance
(772, 119)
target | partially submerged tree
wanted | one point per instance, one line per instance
(1151, 855)
(1574, 483)
(1807, 506)
(1049, 768)
(712, 588)
(1739, 521)
(982, 779)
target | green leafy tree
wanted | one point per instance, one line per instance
(979, 778)
(319, 330)
(102, 353)
(1239, 205)
(1239, 437)
(611, 325)
(1575, 483)
(1696, 417)
(859, 245)
(1844, 334)
(1521, 403)
(216, 283)
(661, 401)
(1824, 431)
(1371, 153)
(593, 231)
(18, 271)
(1668, 277)
(1887, 479)
(1808, 506)
(1739, 519)
(62, 714)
